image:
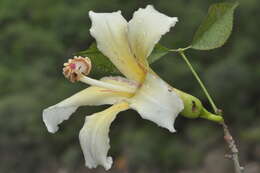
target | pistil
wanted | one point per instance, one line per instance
(77, 68)
(106, 85)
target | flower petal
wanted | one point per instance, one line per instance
(156, 101)
(145, 30)
(94, 137)
(56, 114)
(110, 32)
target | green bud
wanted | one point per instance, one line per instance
(193, 108)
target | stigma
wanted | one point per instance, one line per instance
(76, 67)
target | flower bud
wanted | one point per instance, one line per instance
(76, 67)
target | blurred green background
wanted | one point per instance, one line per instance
(37, 37)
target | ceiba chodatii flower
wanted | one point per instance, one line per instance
(127, 45)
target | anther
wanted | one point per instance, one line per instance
(76, 67)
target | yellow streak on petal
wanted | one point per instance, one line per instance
(110, 31)
(118, 108)
(131, 67)
(123, 94)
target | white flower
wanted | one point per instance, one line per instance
(127, 45)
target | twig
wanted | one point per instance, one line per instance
(233, 148)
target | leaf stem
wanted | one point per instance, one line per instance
(181, 52)
(180, 49)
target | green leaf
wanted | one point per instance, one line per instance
(158, 52)
(102, 64)
(216, 27)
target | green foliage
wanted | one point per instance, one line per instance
(216, 27)
(102, 64)
(158, 52)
